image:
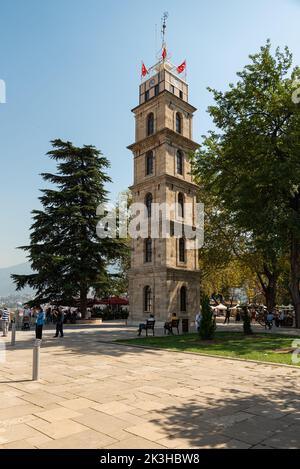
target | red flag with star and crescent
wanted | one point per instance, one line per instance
(144, 70)
(181, 67)
(164, 53)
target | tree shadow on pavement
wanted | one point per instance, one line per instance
(269, 419)
(91, 340)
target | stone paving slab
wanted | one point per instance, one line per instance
(58, 429)
(87, 439)
(95, 394)
(15, 433)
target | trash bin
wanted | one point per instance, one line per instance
(185, 325)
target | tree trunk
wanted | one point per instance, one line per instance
(270, 294)
(295, 277)
(269, 288)
(83, 301)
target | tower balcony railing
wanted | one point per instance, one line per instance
(164, 65)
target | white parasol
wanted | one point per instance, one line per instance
(221, 307)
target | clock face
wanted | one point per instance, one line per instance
(152, 82)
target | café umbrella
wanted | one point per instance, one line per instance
(221, 307)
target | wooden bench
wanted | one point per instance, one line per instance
(148, 326)
(169, 326)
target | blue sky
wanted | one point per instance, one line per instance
(72, 71)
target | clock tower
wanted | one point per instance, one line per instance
(164, 275)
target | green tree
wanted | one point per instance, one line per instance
(66, 255)
(231, 257)
(251, 161)
(207, 325)
(116, 281)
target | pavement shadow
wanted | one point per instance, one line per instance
(92, 340)
(241, 421)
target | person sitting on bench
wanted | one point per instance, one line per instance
(169, 322)
(143, 325)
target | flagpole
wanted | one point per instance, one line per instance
(163, 35)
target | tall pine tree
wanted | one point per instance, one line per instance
(66, 255)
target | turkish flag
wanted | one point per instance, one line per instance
(144, 70)
(164, 53)
(181, 67)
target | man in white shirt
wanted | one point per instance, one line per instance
(282, 318)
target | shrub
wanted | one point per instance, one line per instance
(246, 321)
(207, 325)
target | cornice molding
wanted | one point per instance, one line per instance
(169, 178)
(168, 135)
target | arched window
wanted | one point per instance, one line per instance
(150, 124)
(178, 123)
(147, 299)
(181, 205)
(181, 250)
(148, 250)
(179, 162)
(148, 203)
(149, 163)
(183, 297)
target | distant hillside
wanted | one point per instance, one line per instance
(7, 287)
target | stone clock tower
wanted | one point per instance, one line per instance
(164, 275)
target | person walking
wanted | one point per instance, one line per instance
(198, 320)
(238, 316)
(269, 320)
(48, 315)
(227, 316)
(282, 319)
(5, 321)
(40, 321)
(60, 316)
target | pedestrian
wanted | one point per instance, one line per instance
(48, 315)
(5, 321)
(282, 318)
(60, 316)
(33, 316)
(40, 321)
(227, 316)
(74, 316)
(215, 314)
(269, 320)
(238, 316)
(198, 320)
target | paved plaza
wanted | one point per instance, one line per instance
(94, 393)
